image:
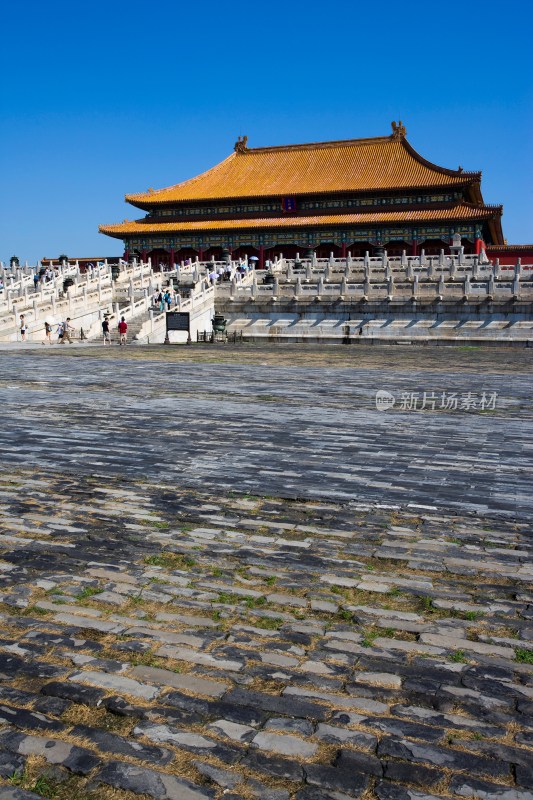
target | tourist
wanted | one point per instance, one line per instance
(35, 280)
(47, 333)
(168, 300)
(59, 332)
(161, 301)
(22, 328)
(123, 331)
(105, 331)
(213, 277)
(67, 328)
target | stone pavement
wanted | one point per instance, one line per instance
(294, 430)
(167, 633)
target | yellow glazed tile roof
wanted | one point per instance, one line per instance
(460, 211)
(387, 162)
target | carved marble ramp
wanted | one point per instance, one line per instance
(228, 597)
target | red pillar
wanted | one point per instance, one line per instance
(413, 248)
(171, 258)
(343, 250)
(480, 245)
(126, 256)
(261, 257)
(144, 254)
(201, 254)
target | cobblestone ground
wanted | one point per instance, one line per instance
(225, 574)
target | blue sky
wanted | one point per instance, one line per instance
(100, 99)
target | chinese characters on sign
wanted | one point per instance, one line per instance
(436, 401)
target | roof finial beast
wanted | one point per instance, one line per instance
(398, 130)
(240, 144)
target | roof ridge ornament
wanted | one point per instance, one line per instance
(240, 144)
(398, 130)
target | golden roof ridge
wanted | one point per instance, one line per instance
(316, 145)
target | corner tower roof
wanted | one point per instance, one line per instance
(382, 163)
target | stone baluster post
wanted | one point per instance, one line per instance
(390, 287)
(344, 288)
(233, 289)
(298, 288)
(415, 288)
(490, 288)
(467, 287)
(308, 273)
(516, 286)
(275, 289)
(441, 288)
(366, 260)
(453, 268)
(320, 288)
(497, 269)
(331, 261)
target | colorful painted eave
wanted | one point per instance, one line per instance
(460, 211)
(353, 165)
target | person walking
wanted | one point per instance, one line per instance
(47, 333)
(22, 328)
(123, 331)
(67, 328)
(105, 331)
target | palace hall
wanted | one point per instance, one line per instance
(339, 197)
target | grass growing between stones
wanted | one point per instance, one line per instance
(523, 655)
(54, 783)
(170, 561)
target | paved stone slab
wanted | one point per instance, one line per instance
(159, 785)
(118, 683)
(163, 677)
(284, 745)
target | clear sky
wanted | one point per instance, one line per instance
(103, 98)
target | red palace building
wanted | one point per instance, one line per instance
(354, 196)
